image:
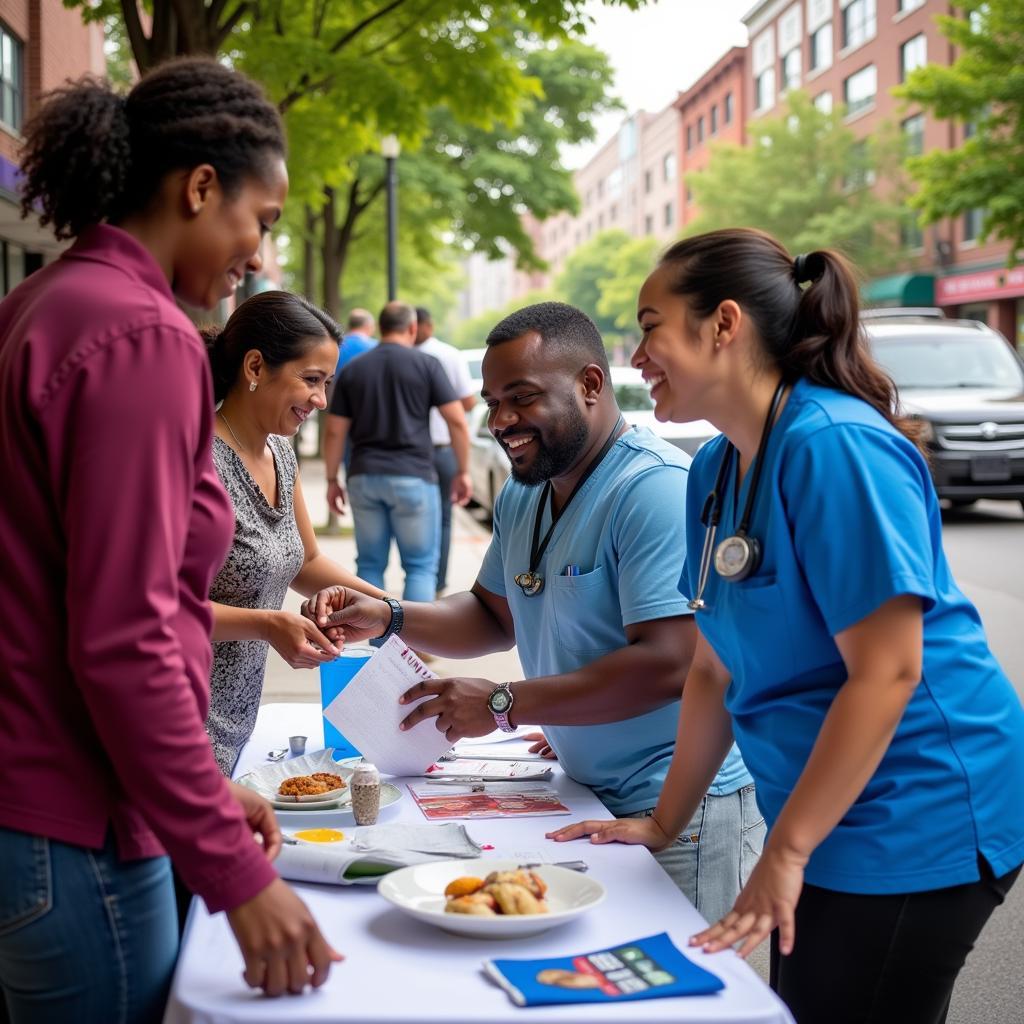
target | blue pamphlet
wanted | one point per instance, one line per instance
(651, 968)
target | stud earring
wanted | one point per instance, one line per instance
(252, 385)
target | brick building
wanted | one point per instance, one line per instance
(713, 109)
(853, 52)
(41, 45)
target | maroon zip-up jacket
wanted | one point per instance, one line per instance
(112, 525)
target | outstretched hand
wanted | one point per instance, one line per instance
(346, 615)
(767, 901)
(634, 831)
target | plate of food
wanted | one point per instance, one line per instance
(313, 782)
(491, 898)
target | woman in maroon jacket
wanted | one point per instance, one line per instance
(114, 525)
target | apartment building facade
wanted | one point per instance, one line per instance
(713, 110)
(41, 45)
(853, 52)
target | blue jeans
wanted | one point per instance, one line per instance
(84, 937)
(447, 468)
(407, 509)
(713, 856)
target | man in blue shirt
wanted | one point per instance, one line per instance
(582, 574)
(358, 339)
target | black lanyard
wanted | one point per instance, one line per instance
(530, 582)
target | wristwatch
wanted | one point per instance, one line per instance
(499, 703)
(397, 619)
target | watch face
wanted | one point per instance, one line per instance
(499, 701)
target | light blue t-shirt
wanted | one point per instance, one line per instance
(848, 518)
(352, 345)
(624, 530)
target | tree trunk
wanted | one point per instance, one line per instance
(309, 255)
(329, 257)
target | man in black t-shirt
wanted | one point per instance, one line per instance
(381, 404)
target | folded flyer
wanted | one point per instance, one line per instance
(650, 968)
(470, 769)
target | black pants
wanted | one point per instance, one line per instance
(447, 467)
(882, 959)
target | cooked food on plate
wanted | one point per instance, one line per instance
(329, 779)
(501, 892)
(302, 785)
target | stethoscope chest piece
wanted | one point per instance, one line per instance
(737, 557)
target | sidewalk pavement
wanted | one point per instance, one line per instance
(469, 542)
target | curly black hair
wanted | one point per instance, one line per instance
(92, 155)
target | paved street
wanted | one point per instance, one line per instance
(985, 546)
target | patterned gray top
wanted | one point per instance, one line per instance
(265, 557)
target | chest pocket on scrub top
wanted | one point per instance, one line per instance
(758, 619)
(580, 613)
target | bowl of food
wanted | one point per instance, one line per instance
(491, 898)
(312, 788)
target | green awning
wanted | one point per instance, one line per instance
(900, 290)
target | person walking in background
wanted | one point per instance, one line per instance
(444, 458)
(357, 340)
(114, 526)
(272, 364)
(382, 401)
(886, 743)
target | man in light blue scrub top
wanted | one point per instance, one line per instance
(592, 601)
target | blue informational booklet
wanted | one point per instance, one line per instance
(651, 968)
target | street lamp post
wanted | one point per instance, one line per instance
(390, 148)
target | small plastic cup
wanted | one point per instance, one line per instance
(297, 745)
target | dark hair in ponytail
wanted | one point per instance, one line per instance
(280, 325)
(806, 310)
(92, 155)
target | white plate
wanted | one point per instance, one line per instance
(419, 892)
(266, 780)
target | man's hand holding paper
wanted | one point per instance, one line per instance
(458, 705)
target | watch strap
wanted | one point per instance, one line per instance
(501, 719)
(397, 619)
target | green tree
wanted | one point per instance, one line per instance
(983, 87)
(582, 280)
(809, 181)
(621, 285)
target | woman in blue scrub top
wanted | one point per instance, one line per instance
(885, 741)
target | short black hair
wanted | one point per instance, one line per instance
(563, 328)
(423, 315)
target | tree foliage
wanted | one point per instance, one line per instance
(582, 280)
(809, 181)
(983, 87)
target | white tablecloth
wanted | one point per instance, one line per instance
(400, 971)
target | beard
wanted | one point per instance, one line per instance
(556, 452)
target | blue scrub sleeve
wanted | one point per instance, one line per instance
(649, 525)
(855, 499)
(492, 570)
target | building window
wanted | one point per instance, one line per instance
(11, 65)
(648, 181)
(614, 215)
(600, 221)
(649, 224)
(791, 70)
(764, 89)
(689, 137)
(700, 129)
(689, 195)
(823, 101)
(600, 189)
(669, 215)
(903, 6)
(911, 235)
(972, 224)
(821, 48)
(859, 22)
(727, 108)
(913, 132)
(668, 166)
(913, 54)
(714, 120)
(860, 89)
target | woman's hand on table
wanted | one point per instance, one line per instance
(345, 614)
(540, 745)
(260, 817)
(767, 901)
(298, 640)
(634, 831)
(283, 948)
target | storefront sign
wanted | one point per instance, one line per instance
(979, 286)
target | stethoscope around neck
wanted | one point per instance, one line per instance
(738, 556)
